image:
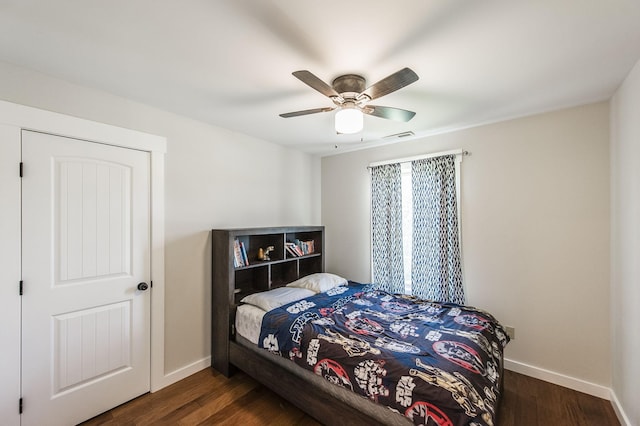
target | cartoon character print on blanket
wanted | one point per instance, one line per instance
(435, 363)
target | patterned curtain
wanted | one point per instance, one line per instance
(386, 227)
(436, 268)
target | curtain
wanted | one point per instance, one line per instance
(436, 267)
(386, 227)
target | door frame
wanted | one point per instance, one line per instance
(28, 118)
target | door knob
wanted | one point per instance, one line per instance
(143, 286)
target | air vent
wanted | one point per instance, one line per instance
(400, 135)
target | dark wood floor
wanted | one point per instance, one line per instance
(208, 398)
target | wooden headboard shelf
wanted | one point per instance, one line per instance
(235, 276)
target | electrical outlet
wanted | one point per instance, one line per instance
(511, 332)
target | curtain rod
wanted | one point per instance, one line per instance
(418, 157)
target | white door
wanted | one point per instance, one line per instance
(85, 249)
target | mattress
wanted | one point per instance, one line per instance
(248, 322)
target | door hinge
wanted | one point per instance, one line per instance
(21, 287)
(20, 406)
(21, 168)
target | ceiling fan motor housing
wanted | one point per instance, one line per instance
(349, 85)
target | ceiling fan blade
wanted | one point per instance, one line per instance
(306, 112)
(390, 113)
(315, 83)
(390, 84)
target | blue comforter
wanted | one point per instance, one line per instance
(435, 363)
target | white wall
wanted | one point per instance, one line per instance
(535, 232)
(213, 178)
(625, 245)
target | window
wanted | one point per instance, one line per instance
(415, 233)
(407, 223)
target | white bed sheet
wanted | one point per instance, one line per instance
(249, 322)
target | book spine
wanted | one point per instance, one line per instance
(307, 247)
(244, 254)
(291, 251)
(237, 254)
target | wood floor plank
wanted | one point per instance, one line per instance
(208, 398)
(242, 411)
(211, 403)
(532, 402)
(162, 408)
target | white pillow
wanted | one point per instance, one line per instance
(277, 297)
(319, 282)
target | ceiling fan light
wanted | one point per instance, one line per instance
(349, 120)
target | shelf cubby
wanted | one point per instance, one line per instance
(231, 284)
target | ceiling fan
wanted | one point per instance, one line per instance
(351, 98)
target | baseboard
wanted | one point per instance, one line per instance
(184, 372)
(622, 416)
(558, 379)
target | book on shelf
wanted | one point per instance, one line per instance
(291, 251)
(310, 246)
(245, 258)
(300, 248)
(305, 247)
(238, 260)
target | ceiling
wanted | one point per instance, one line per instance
(229, 63)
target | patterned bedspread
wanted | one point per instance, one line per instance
(436, 363)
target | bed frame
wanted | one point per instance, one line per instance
(314, 401)
(227, 280)
(227, 354)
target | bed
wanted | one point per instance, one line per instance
(348, 353)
